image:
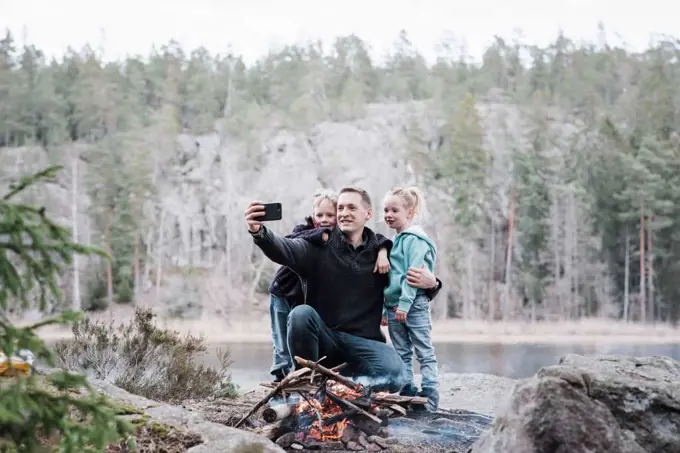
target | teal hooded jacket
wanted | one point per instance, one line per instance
(411, 248)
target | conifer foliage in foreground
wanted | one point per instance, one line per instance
(61, 408)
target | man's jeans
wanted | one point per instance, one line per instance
(373, 363)
(416, 334)
(279, 309)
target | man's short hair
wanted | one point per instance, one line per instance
(365, 197)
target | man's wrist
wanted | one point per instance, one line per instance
(257, 233)
(436, 285)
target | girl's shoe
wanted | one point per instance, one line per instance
(432, 395)
(409, 390)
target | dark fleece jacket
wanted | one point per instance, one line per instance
(286, 283)
(341, 284)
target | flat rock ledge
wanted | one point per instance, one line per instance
(216, 437)
(591, 404)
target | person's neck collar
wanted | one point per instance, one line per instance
(356, 238)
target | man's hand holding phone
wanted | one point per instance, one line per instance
(259, 212)
(253, 213)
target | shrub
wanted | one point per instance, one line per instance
(33, 252)
(145, 359)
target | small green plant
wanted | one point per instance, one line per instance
(145, 359)
(61, 412)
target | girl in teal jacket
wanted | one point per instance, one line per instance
(407, 309)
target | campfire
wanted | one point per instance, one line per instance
(331, 412)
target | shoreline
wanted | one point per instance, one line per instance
(589, 331)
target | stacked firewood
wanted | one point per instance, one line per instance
(330, 410)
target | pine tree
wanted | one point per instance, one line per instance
(34, 250)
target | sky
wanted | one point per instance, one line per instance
(252, 27)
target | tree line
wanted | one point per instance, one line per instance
(584, 222)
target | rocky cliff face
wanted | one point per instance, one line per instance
(203, 184)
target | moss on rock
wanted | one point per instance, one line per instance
(151, 436)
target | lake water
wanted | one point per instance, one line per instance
(251, 361)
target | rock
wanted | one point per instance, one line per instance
(373, 447)
(216, 438)
(592, 404)
(476, 392)
(382, 443)
(286, 440)
(353, 446)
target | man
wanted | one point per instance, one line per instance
(341, 319)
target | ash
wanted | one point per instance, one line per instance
(443, 431)
(425, 432)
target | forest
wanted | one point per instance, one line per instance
(548, 171)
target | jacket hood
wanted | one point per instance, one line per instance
(417, 230)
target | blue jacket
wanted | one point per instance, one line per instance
(411, 248)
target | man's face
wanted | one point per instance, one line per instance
(352, 212)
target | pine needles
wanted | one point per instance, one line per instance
(62, 410)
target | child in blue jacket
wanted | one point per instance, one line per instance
(407, 309)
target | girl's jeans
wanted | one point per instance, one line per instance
(416, 334)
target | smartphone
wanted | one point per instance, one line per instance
(272, 211)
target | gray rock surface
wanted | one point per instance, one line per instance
(592, 404)
(217, 438)
(476, 392)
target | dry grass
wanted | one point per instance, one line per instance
(446, 331)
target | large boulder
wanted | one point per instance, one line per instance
(592, 404)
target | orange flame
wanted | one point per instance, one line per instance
(326, 409)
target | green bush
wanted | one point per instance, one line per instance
(43, 414)
(145, 359)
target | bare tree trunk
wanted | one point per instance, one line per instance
(193, 240)
(643, 290)
(212, 235)
(556, 251)
(109, 269)
(650, 271)
(135, 269)
(470, 287)
(626, 281)
(149, 232)
(570, 249)
(74, 227)
(508, 256)
(492, 267)
(575, 261)
(159, 255)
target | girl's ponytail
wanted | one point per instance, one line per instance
(418, 201)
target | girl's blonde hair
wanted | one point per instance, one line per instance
(325, 194)
(413, 199)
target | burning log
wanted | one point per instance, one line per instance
(278, 412)
(294, 387)
(397, 408)
(388, 398)
(329, 373)
(343, 402)
(338, 418)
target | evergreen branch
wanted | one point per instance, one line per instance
(47, 174)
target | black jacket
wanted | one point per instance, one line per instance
(341, 284)
(286, 283)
